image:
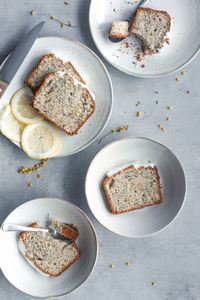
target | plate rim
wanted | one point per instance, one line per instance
(150, 140)
(132, 73)
(96, 248)
(110, 88)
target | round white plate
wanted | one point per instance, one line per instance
(146, 221)
(184, 36)
(21, 274)
(93, 72)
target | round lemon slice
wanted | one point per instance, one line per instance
(21, 107)
(10, 127)
(40, 140)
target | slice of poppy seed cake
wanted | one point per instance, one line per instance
(151, 26)
(50, 64)
(64, 102)
(50, 255)
(132, 189)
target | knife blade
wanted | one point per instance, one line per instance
(17, 57)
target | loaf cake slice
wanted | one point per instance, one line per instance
(151, 26)
(50, 255)
(119, 29)
(132, 189)
(64, 102)
(50, 64)
(69, 232)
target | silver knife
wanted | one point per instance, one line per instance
(17, 57)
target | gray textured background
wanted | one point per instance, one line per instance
(171, 258)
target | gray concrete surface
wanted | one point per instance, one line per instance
(171, 258)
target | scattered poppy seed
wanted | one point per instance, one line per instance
(157, 102)
(156, 92)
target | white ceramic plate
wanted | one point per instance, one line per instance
(184, 36)
(19, 272)
(91, 69)
(146, 221)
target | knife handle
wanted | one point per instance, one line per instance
(3, 87)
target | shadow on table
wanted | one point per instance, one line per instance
(75, 179)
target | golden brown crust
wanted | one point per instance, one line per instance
(149, 10)
(28, 80)
(77, 73)
(69, 232)
(113, 210)
(22, 236)
(46, 117)
(119, 35)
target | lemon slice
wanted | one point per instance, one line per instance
(40, 140)
(21, 107)
(10, 127)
